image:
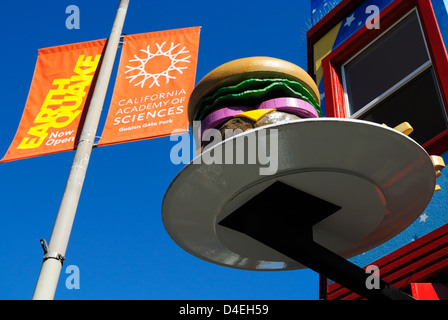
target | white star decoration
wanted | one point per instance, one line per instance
(349, 20)
(423, 217)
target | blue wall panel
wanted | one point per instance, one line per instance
(441, 12)
(435, 216)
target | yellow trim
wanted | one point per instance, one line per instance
(404, 128)
(322, 48)
(438, 162)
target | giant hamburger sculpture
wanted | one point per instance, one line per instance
(350, 177)
(252, 92)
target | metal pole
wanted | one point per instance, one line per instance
(54, 255)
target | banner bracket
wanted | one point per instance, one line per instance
(121, 42)
(43, 243)
(95, 144)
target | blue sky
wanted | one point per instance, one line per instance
(118, 241)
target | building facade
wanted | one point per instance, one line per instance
(386, 61)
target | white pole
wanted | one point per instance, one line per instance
(54, 257)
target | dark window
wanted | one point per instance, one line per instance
(392, 81)
(418, 102)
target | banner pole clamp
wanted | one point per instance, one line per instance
(54, 255)
(49, 254)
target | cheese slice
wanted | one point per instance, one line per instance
(254, 115)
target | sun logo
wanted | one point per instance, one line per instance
(158, 65)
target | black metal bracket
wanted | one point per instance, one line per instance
(282, 218)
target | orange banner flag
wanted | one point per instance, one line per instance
(61, 83)
(155, 78)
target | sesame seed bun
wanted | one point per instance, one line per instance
(235, 71)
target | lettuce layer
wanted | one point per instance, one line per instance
(252, 92)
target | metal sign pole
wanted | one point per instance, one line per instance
(54, 254)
